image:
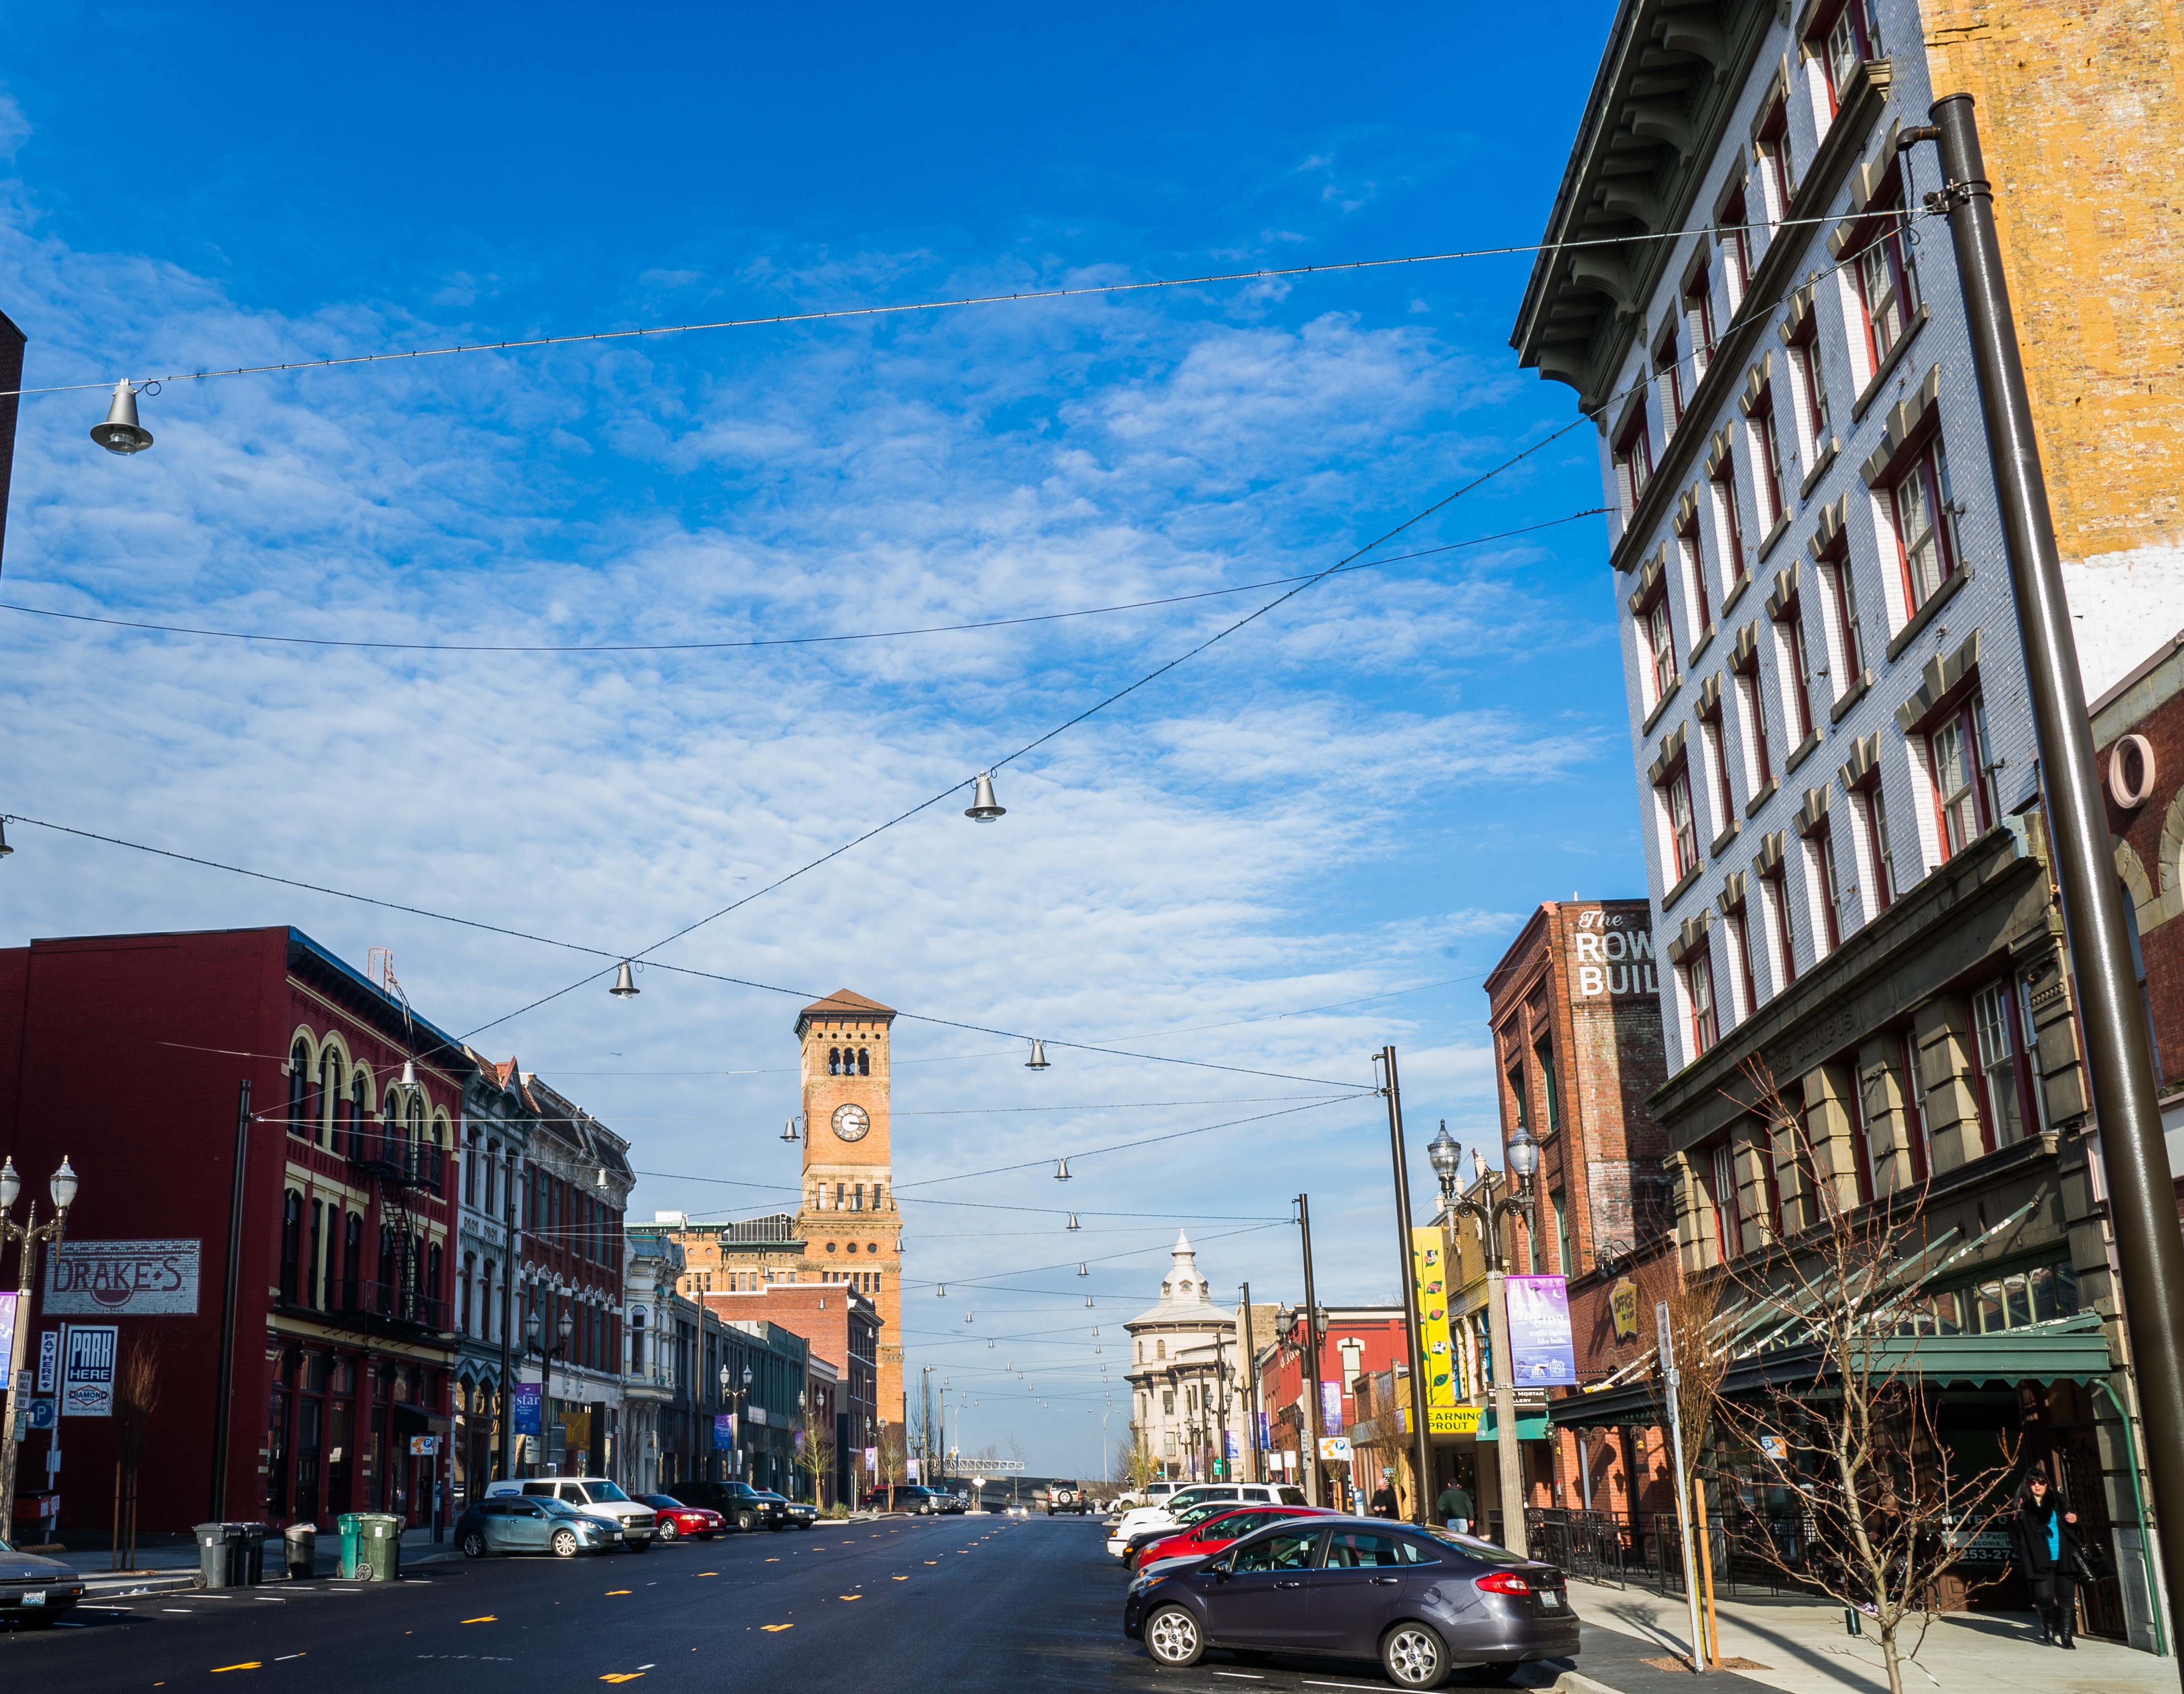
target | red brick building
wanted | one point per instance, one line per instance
(842, 1327)
(148, 1060)
(1361, 1340)
(1576, 1013)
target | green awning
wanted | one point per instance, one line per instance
(2072, 1349)
(1531, 1426)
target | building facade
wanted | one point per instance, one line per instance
(1188, 1397)
(498, 1113)
(573, 1186)
(263, 1043)
(842, 1327)
(1848, 878)
(771, 1409)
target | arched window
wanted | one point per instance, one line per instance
(323, 1109)
(357, 1120)
(292, 1244)
(833, 1061)
(1160, 1350)
(352, 1264)
(864, 1063)
(434, 1264)
(299, 1088)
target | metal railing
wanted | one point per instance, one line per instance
(1594, 1547)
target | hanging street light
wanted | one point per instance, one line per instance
(1073, 1223)
(1081, 1271)
(788, 1134)
(1037, 1062)
(5, 849)
(1061, 1170)
(941, 1292)
(982, 809)
(1444, 1154)
(121, 433)
(625, 986)
(409, 1077)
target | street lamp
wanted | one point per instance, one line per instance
(61, 1187)
(547, 1354)
(1521, 1155)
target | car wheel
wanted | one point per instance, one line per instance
(1413, 1657)
(474, 1545)
(666, 1531)
(644, 1545)
(746, 1522)
(1173, 1637)
(564, 1544)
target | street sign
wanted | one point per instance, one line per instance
(49, 1361)
(986, 1466)
(424, 1446)
(45, 1413)
(1335, 1449)
(87, 1352)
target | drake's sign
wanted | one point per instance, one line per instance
(122, 1278)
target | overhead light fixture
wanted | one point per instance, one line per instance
(788, 1130)
(983, 807)
(625, 986)
(121, 433)
(941, 1292)
(1073, 1223)
(5, 849)
(1061, 1170)
(409, 1076)
(1037, 1062)
(1081, 1271)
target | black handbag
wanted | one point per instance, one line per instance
(2089, 1563)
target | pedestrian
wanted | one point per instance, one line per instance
(2045, 1536)
(1385, 1504)
(1453, 1508)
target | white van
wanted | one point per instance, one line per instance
(596, 1497)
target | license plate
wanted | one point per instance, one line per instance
(35, 1596)
(1549, 1599)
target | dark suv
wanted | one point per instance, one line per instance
(741, 1505)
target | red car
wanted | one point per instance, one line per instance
(1215, 1532)
(677, 1520)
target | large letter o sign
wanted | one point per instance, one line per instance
(2121, 789)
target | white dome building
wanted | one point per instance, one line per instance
(1188, 1397)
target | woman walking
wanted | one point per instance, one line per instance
(2046, 1536)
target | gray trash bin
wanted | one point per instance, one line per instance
(299, 1548)
(230, 1555)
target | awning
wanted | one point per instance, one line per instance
(1531, 1426)
(2070, 1350)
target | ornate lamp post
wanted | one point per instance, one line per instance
(62, 1189)
(1522, 1154)
(557, 1348)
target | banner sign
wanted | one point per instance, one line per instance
(87, 1352)
(49, 1359)
(530, 1398)
(1265, 1435)
(872, 1462)
(1335, 1449)
(122, 1278)
(1623, 1307)
(1427, 1252)
(1330, 1408)
(7, 1335)
(1542, 1350)
(1235, 1445)
(724, 1431)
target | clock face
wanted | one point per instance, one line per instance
(850, 1123)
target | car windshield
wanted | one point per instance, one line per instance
(606, 1493)
(1192, 1515)
(557, 1509)
(661, 1502)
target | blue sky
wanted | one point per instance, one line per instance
(1362, 793)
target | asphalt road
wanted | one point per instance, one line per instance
(966, 1604)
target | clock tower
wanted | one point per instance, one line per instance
(847, 1217)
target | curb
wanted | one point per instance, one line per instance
(1576, 1682)
(119, 1587)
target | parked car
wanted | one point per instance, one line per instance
(677, 1520)
(950, 1501)
(738, 1503)
(790, 1514)
(508, 1523)
(1164, 1525)
(909, 1497)
(1166, 1514)
(34, 1590)
(593, 1496)
(1152, 1494)
(1423, 1602)
(1209, 1533)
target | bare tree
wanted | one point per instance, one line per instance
(1845, 1429)
(1139, 1464)
(894, 1460)
(815, 1458)
(137, 1391)
(1701, 1363)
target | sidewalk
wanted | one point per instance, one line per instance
(175, 1564)
(1805, 1649)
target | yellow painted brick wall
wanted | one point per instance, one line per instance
(2081, 113)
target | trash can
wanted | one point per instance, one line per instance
(350, 1525)
(299, 1548)
(379, 1547)
(228, 1554)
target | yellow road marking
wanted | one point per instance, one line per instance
(775, 1629)
(481, 1620)
(254, 1664)
(611, 1592)
(621, 1676)
(705, 1573)
(933, 1560)
(771, 1561)
(849, 1597)
(902, 1579)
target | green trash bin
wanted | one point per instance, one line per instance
(379, 1547)
(351, 1527)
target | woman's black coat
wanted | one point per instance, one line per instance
(2028, 1531)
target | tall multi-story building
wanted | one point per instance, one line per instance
(845, 1232)
(842, 1326)
(1188, 1394)
(261, 1046)
(1847, 872)
(498, 1113)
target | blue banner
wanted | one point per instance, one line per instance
(1330, 1408)
(724, 1431)
(1541, 1352)
(529, 1397)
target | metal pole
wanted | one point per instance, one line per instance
(508, 1321)
(1508, 1453)
(18, 1351)
(2142, 1195)
(1251, 1390)
(1311, 1361)
(224, 1390)
(1413, 1319)
(1683, 1500)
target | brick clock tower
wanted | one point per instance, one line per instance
(847, 1218)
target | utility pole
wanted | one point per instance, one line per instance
(1311, 1360)
(224, 1389)
(2141, 1203)
(1251, 1390)
(508, 1256)
(1413, 1319)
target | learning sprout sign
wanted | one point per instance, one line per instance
(1428, 1258)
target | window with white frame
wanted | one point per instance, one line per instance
(1692, 559)
(1737, 931)
(2003, 1072)
(1782, 950)
(1697, 972)
(1884, 281)
(1771, 146)
(1656, 632)
(1840, 37)
(1716, 754)
(1728, 532)
(1829, 892)
(1796, 668)
(1845, 637)
(1669, 374)
(1676, 792)
(1809, 388)
(1767, 458)
(1698, 316)
(1963, 799)
(1871, 808)
(1735, 246)
(1634, 457)
(1759, 768)
(1919, 507)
